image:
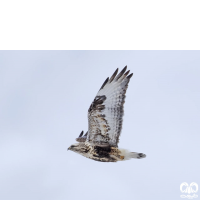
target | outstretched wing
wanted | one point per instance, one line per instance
(105, 115)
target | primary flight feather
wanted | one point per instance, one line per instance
(105, 118)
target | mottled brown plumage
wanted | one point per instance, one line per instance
(105, 118)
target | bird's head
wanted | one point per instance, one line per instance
(73, 147)
(77, 147)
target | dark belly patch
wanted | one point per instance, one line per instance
(102, 151)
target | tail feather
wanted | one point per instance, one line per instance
(128, 155)
(137, 155)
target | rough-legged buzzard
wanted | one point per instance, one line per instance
(105, 118)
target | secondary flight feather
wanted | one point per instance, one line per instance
(105, 119)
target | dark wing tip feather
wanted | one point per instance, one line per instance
(86, 134)
(82, 138)
(129, 76)
(125, 75)
(121, 73)
(104, 83)
(81, 134)
(113, 76)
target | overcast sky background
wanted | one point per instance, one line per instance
(44, 98)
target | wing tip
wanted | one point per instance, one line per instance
(121, 73)
(116, 76)
(105, 82)
(81, 133)
(129, 76)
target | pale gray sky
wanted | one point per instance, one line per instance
(44, 100)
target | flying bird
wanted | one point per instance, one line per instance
(105, 118)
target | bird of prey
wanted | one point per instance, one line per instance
(105, 118)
